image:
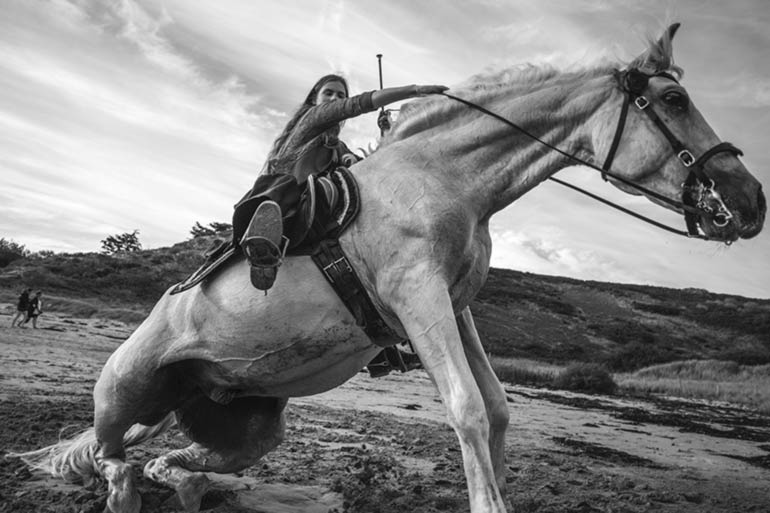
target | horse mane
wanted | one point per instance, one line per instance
(517, 80)
(522, 79)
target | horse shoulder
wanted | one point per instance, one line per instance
(411, 229)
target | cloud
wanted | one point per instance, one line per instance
(119, 133)
(747, 89)
(154, 114)
(546, 253)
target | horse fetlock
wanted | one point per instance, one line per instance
(502, 487)
(190, 486)
(191, 490)
(160, 471)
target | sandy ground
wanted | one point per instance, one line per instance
(382, 445)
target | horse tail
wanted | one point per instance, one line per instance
(75, 459)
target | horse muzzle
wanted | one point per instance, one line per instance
(723, 218)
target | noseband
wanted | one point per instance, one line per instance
(698, 192)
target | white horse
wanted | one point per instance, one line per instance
(222, 359)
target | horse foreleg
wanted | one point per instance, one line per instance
(433, 330)
(491, 390)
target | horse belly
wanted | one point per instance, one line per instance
(303, 364)
(299, 339)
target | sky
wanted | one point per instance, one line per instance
(153, 115)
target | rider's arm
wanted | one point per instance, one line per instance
(325, 115)
(389, 95)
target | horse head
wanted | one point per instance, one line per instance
(666, 146)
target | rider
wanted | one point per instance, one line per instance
(308, 145)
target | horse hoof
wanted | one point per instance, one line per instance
(130, 502)
(123, 496)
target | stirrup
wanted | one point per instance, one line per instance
(261, 243)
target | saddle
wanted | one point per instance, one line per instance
(322, 228)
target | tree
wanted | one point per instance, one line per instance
(213, 228)
(123, 243)
(10, 251)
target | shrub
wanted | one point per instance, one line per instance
(635, 356)
(10, 251)
(669, 310)
(214, 228)
(746, 355)
(123, 243)
(623, 331)
(42, 254)
(586, 377)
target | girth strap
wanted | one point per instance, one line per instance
(336, 268)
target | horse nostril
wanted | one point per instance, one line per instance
(761, 203)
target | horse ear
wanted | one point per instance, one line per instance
(672, 30)
(659, 56)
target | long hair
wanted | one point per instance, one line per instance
(306, 105)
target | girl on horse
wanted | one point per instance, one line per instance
(276, 205)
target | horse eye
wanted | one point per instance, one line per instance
(676, 99)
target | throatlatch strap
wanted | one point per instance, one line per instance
(618, 134)
(336, 268)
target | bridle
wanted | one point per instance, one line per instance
(698, 190)
(633, 83)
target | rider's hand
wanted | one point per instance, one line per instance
(422, 90)
(383, 120)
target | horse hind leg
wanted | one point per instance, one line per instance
(226, 438)
(122, 421)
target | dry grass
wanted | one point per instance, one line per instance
(704, 379)
(715, 380)
(521, 371)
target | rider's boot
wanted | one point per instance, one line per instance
(390, 359)
(261, 243)
(379, 366)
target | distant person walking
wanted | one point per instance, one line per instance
(21, 308)
(34, 309)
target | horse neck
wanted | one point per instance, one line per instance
(495, 163)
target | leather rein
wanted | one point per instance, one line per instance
(633, 83)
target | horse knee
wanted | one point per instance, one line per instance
(499, 415)
(470, 422)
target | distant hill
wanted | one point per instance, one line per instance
(524, 315)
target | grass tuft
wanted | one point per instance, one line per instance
(520, 371)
